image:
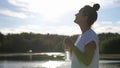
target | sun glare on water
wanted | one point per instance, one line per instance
(52, 64)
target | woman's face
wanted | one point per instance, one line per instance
(79, 17)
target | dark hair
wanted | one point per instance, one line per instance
(91, 12)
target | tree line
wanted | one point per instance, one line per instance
(23, 42)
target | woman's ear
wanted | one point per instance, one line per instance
(86, 18)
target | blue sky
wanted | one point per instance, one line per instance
(55, 16)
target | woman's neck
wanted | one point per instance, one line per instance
(84, 29)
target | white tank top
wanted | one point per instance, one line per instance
(83, 40)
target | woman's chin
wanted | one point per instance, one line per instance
(75, 21)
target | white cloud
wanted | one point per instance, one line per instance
(18, 3)
(13, 14)
(12, 30)
(107, 26)
(20, 29)
(53, 9)
(61, 30)
(99, 27)
(106, 3)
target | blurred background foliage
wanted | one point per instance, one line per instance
(23, 42)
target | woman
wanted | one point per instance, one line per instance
(85, 52)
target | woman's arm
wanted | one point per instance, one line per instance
(86, 56)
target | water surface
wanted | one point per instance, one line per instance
(53, 64)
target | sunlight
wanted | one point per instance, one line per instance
(57, 13)
(52, 64)
(49, 9)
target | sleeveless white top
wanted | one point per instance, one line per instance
(83, 40)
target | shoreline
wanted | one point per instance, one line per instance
(51, 56)
(109, 56)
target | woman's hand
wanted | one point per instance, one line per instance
(68, 43)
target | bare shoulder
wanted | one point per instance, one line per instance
(91, 46)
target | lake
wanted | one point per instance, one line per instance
(53, 64)
(32, 63)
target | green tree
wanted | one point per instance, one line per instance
(1, 39)
(111, 45)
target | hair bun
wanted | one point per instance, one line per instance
(96, 7)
